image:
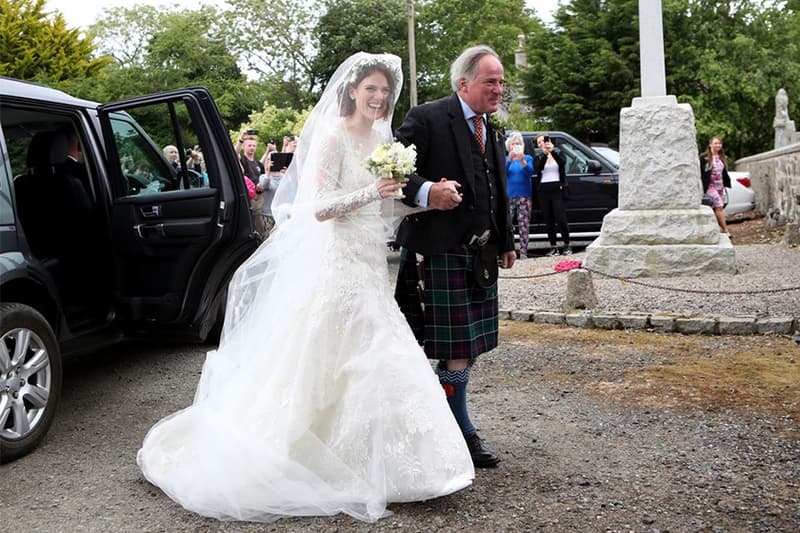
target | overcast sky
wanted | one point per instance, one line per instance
(82, 13)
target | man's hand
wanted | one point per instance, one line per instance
(444, 195)
(507, 259)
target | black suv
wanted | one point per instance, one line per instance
(593, 186)
(102, 238)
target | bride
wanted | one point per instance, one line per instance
(318, 400)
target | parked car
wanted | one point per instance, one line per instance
(611, 155)
(741, 197)
(117, 245)
(593, 186)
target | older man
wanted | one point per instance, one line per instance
(461, 176)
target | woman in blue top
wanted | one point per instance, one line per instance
(519, 168)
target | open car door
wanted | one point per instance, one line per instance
(179, 227)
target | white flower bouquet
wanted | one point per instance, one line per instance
(393, 159)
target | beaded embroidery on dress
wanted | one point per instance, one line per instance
(318, 400)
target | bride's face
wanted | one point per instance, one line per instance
(372, 96)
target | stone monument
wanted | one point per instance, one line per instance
(660, 227)
(785, 133)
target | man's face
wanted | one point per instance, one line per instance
(171, 153)
(249, 148)
(483, 93)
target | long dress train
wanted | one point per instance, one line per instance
(320, 401)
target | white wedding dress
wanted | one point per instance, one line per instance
(319, 399)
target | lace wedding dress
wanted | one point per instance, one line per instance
(319, 400)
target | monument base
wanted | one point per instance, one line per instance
(661, 252)
(660, 227)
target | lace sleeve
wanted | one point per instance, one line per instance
(332, 200)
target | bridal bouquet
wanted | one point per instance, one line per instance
(393, 159)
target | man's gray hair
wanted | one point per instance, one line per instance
(466, 65)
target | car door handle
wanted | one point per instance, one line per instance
(151, 211)
(147, 231)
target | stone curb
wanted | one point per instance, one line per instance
(661, 322)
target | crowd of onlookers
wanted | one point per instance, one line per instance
(262, 176)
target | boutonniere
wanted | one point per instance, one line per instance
(498, 128)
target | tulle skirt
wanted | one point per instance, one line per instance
(331, 407)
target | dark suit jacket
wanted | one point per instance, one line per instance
(443, 140)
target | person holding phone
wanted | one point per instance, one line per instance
(519, 171)
(550, 186)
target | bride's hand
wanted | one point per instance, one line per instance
(390, 188)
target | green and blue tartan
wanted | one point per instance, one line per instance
(455, 319)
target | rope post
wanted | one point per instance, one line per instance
(580, 290)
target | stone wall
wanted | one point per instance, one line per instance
(775, 177)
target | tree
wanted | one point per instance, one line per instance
(37, 46)
(347, 27)
(277, 44)
(160, 50)
(726, 60)
(446, 27)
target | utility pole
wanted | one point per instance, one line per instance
(412, 56)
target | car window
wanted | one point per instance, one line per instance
(159, 151)
(577, 160)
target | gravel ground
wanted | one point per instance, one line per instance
(598, 430)
(759, 267)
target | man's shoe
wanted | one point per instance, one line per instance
(482, 457)
(553, 251)
(567, 251)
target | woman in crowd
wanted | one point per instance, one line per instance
(714, 176)
(550, 186)
(519, 169)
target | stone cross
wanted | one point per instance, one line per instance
(659, 227)
(651, 49)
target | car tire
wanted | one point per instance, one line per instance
(30, 382)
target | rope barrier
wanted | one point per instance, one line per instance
(654, 286)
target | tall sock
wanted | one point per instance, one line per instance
(454, 383)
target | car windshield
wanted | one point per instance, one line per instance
(609, 153)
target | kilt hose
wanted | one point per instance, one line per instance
(452, 318)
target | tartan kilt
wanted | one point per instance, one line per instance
(456, 319)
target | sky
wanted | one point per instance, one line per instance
(82, 13)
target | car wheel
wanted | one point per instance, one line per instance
(30, 379)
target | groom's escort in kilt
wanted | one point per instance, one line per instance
(452, 316)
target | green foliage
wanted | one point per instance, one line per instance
(277, 43)
(726, 60)
(273, 123)
(347, 27)
(39, 47)
(159, 50)
(446, 27)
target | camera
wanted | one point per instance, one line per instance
(251, 132)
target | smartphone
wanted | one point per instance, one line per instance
(251, 132)
(517, 149)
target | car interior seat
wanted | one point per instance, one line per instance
(37, 194)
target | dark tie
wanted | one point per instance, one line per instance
(479, 132)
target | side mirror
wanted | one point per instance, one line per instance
(594, 166)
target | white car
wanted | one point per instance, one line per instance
(741, 197)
